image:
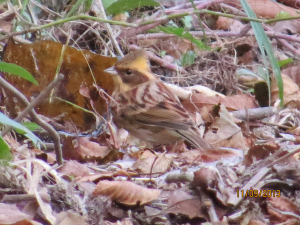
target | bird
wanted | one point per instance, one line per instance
(145, 107)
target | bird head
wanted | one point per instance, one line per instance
(131, 71)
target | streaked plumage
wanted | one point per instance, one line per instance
(147, 108)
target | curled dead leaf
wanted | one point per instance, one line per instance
(181, 202)
(225, 132)
(126, 192)
(291, 92)
(10, 214)
(150, 163)
(281, 209)
(211, 155)
(81, 148)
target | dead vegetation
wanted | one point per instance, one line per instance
(209, 58)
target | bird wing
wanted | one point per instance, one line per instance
(154, 104)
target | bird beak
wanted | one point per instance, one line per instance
(111, 70)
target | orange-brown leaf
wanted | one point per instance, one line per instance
(126, 192)
(41, 60)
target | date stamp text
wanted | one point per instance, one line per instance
(258, 193)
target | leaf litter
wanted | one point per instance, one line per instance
(112, 178)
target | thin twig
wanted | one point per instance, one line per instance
(218, 33)
(296, 150)
(61, 21)
(9, 12)
(56, 139)
(35, 102)
(23, 197)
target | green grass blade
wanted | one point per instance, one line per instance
(17, 70)
(265, 46)
(5, 154)
(7, 121)
(122, 6)
(75, 7)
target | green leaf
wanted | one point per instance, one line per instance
(265, 46)
(285, 62)
(127, 5)
(187, 21)
(7, 121)
(180, 32)
(24, 5)
(188, 58)
(107, 3)
(78, 3)
(17, 70)
(29, 125)
(5, 154)
(282, 15)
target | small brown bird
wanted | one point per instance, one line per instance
(145, 106)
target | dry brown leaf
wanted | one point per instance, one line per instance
(266, 8)
(292, 3)
(149, 162)
(256, 222)
(181, 202)
(123, 222)
(67, 218)
(293, 72)
(258, 152)
(74, 169)
(26, 222)
(276, 205)
(224, 23)
(78, 67)
(225, 133)
(291, 92)
(232, 103)
(107, 175)
(126, 192)
(206, 178)
(81, 148)
(90, 149)
(209, 155)
(10, 214)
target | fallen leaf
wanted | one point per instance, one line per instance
(150, 163)
(67, 218)
(11, 214)
(90, 149)
(232, 103)
(126, 192)
(78, 66)
(292, 71)
(210, 155)
(266, 8)
(291, 92)
(74, 169)
(123, 222)
(259, 152)
(281, 209)
(224, 132)
(183, 203)
(81, 148)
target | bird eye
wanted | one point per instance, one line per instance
(128, 72)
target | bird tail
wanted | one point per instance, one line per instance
(195, 139)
